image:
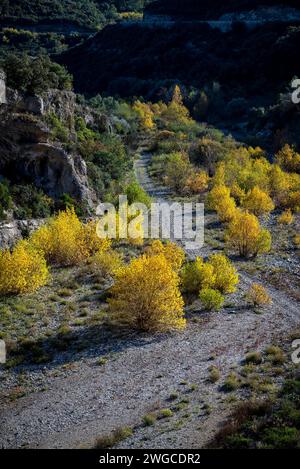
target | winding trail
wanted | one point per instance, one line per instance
(91, 401)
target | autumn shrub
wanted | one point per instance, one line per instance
(211, 299)
(245, 236)
(258, 202)
(171, 251)
(197, 275)
(219, 199)
(288, 159)
(129, 230)
(23, 270)
(177, 171)
(286, 218)
(293, 201)
(106, 263)
(196, 183)
(217, 273)
(146, 296)
(257, 295)
(65, 240)
(225, 274)
(297, 240)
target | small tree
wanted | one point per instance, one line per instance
(245, 235)
(146, 296)
(258, 202)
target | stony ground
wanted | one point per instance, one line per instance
(81, 397)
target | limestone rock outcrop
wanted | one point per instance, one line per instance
(27, 151)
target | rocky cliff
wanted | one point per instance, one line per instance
(29, 153)
(27, 150)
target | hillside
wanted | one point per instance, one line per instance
(88, 13)
(113, 62)
(207, 9)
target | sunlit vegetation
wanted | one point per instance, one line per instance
(146, 296)
(257, 295)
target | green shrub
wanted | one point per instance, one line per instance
(214, 374)
(211, 299)
(254, 358)
(231, 383)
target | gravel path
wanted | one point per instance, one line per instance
(79, 406)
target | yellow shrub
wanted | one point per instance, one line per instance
(219, 200)
(237, 193)
(146, 296)
(286, 218)
(65, 240)
(197, 183)
(173, 253)
(257, 295)
(211, 299)
(106, 263)
(122, 228)
(258, 202)
(288, 159)
(23, 270)
(297, 241)
(216, 194)
(294, 201)
(197, 275)
(226, 277)
(245, 235)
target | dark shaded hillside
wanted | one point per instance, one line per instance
(210, 9)
(86, 13)
(136, 60)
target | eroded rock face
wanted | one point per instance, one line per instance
(14, 230)
(26, 149)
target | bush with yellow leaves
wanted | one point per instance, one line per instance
(197, 275)
(257, 295)
(286, 218)
(23, 270)
(217, 273)
(226, 276)
(212, 300)
(258, 202)
(106, 263)
(196, 183)
(245, 236)
(173, 253)
(65, 240)
(219, 199)
(288, 159)
(297, 241)
(146, 296)
(127, 230)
